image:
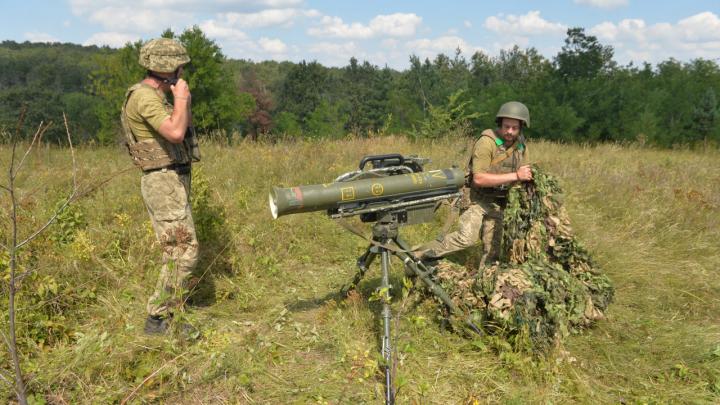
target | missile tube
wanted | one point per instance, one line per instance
(292, 200)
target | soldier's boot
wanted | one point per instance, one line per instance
(426, 251)
(156, 325)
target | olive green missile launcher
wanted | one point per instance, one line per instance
(396, 191)
(394, 183)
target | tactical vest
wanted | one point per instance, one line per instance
(154, 153)
(504, 160)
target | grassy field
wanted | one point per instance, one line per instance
(274, 327)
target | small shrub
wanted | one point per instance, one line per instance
(67, 224)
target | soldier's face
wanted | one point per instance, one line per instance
(509, 128)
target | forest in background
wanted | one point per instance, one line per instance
(580, 95)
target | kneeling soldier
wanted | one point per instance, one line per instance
(498, 160)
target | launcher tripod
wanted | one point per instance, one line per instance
(395, 191)
(386, 241)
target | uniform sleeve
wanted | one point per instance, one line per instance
(153, 111)
(482, 155)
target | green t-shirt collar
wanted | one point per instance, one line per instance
(500, 142)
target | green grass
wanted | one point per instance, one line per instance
(275, 330)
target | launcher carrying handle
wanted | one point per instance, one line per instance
(381, 158)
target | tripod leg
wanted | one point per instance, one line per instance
(363, 263)
(423, 273)
(386, 346)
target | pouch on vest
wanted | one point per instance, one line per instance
(464, 201)
(191, 144)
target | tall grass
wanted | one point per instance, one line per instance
(275, 330)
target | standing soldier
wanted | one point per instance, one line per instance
(162, 145)
(498, 160)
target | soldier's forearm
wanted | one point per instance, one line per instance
(493, 180)
(174, 127)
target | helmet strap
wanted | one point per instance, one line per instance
(165, 80)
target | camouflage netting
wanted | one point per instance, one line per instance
(545, 286)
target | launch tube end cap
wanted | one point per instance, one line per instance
(273, 205)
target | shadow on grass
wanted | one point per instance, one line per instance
(365, 288)
(213, 261)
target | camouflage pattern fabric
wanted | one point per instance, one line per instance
(163, 55)
(545, 285)
(167, 198)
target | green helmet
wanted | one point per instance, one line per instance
(516, 110)
(163, 55)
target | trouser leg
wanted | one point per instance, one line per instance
(166, 196)
(492, 229)
(467, 235)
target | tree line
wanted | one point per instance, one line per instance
(580, 95)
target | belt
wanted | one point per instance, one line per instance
(492, 196)
(492, 192)
(177, 168)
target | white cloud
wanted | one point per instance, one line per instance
(335, 27)
(237, 44)
(334, 48)
(697, 36)
(112, 39)
(633, 29)
(273, 46)
(700, 27)
(334, 54)
(138, 20)
(262, 49)
(392, 25)
(467, 24)
(227, 22)
(389, 43)
(82, 7)
(152, 16)
(603, 3)
(396, 25)
(40, 37)
(446, 44)
(523, 25)
(267, 18)
(524, 31)
(214, 30)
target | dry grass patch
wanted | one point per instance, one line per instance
(274, 329)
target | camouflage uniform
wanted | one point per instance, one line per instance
(167, 198)
(482, 219)
(165, 184)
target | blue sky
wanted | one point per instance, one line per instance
(381, 32)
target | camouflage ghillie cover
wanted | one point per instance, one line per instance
(545, 286)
